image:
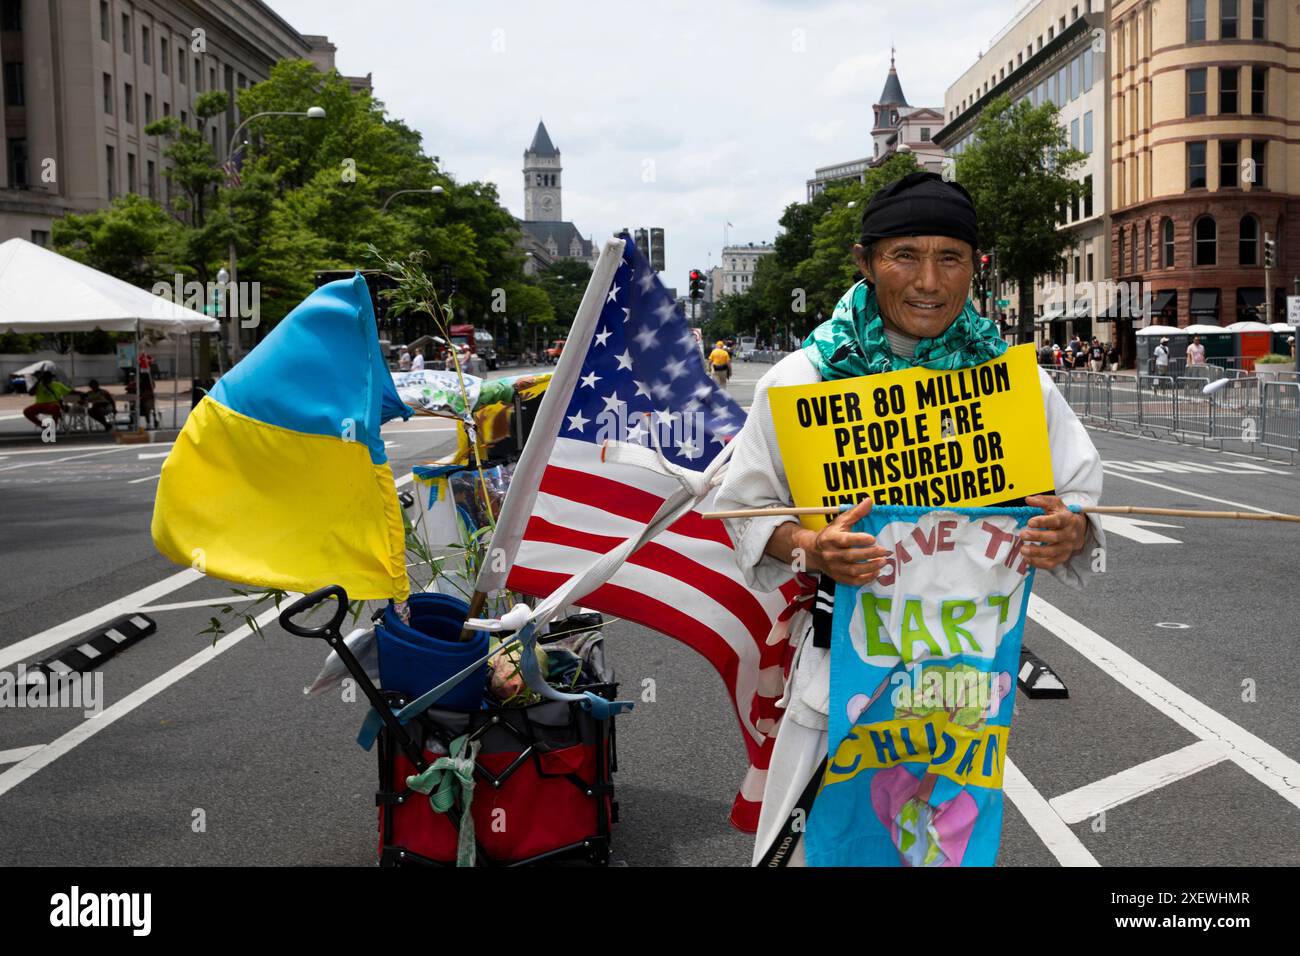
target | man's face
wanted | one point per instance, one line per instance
(921, 281)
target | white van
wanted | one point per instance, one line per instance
(745, 347)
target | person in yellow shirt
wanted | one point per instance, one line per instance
(49, 399)
(720, 360)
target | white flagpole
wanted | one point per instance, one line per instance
(518, 506)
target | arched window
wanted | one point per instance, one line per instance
(1207, 241)
(1167, 241)
(1133, 250)
(1120, 257)
(1248, 244)
(1146, 247)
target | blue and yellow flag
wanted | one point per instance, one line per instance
(279, 478)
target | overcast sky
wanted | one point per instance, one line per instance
(684, 115)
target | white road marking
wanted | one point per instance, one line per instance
(1088, 801)
(1191, 494)
(90, 454)
(54, 447)
(1038, 813)
(136, 481)
(21, 753)
(153, 454)
(1260, 759)
(182, 605)
(34, 763)
(31, 646)
(1136, 530)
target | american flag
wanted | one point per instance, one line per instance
(232, 166)
(643, 380)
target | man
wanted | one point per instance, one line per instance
(1112, 357)
(404, 361)
(49, 398)
(417, 361)
(1096, 355)
(1161, 357)
(720, 362)
(917, 254)
(1196, 352)
(99, 404)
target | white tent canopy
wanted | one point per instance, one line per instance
(42, 291)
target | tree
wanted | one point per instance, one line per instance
(564, 283)
(132, 239)
(1018, 171)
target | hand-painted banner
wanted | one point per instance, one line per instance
(922, 687)
(940, 439)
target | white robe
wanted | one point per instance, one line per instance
(755, 478)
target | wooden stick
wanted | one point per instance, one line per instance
(1094, 510)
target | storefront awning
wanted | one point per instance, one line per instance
(1250, 298)
(1205, 302)
(1164, 300)
(1053, 313)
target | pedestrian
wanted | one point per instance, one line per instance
(1196, 352)
(1096, 355)
(1058, 357)
(720, 362)
(910, 310)
(417, 361)
(1112, 357)
(1160, 357)
(49, 398)
(404, 361)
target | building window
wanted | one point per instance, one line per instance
(1167, 243)
(180, 64)
(1133, 251)
(131, 184)
(1087, 70)
(148, 108)
(1195, 20)
(1196, 165)
(146, 47)
(15, 95)
(1087, 132)
(925, 134)
(11, 15)
(108, 94)
(1257, 18)
(151, 178)
(1089, 274)
(1119, 248)
(185, 118)
(18, 163)
(212, 78)
(1196, 92)
(198, 73)
(1074, 133)
(1248, 243)
(1207, 241)
(1227, 19)
(1228, 152)
(1258, 90)
(1146, 247)
(111, 156)
(105, 31)
(1087, 196)
(1259, 153)
(1076, 77)
(167, 108)
(40, 237)
(1228, 88)
(128, 107)
(1063, 85)
(164, 52)
(126, 33)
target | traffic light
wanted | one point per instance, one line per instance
(984, 264)
(1270, 253)
(697, 284)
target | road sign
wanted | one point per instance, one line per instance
(1003, 303)
(1293, 310)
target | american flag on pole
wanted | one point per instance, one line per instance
(232, 167)
(637, 375)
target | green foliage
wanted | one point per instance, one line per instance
(132, 239)
(1274, 359)
(563, 284)
(1017, 169)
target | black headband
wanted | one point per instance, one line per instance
(920, 204)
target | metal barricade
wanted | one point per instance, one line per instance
(1157, 402)
(1192, 407)
(1235, 411)
(1125, 410)
(1097, 386)
(1279, 425)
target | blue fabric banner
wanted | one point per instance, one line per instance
(922, 687)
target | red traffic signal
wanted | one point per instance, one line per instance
(984, 262)
(695, 275)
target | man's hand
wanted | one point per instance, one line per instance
(1052, 539)
(848, 557)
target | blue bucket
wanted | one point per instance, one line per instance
(415, 658)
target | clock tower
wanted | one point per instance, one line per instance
(542, 179)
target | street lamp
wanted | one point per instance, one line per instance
(315, 113)
(434, 191)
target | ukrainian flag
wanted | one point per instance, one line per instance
(279, 478)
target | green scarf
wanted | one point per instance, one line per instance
(852, 342)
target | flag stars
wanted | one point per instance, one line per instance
(665, 417)
(645, 338)
(675, 369)
(577, 423)
(612, 401)
(641, 389)
(625, 361)
(590, 380)
(601, 336)
(660, 390)
(613, 293)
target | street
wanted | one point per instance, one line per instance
(1178, 744)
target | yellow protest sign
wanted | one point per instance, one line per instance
(963, 438)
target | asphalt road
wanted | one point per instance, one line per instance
(1181, 661)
